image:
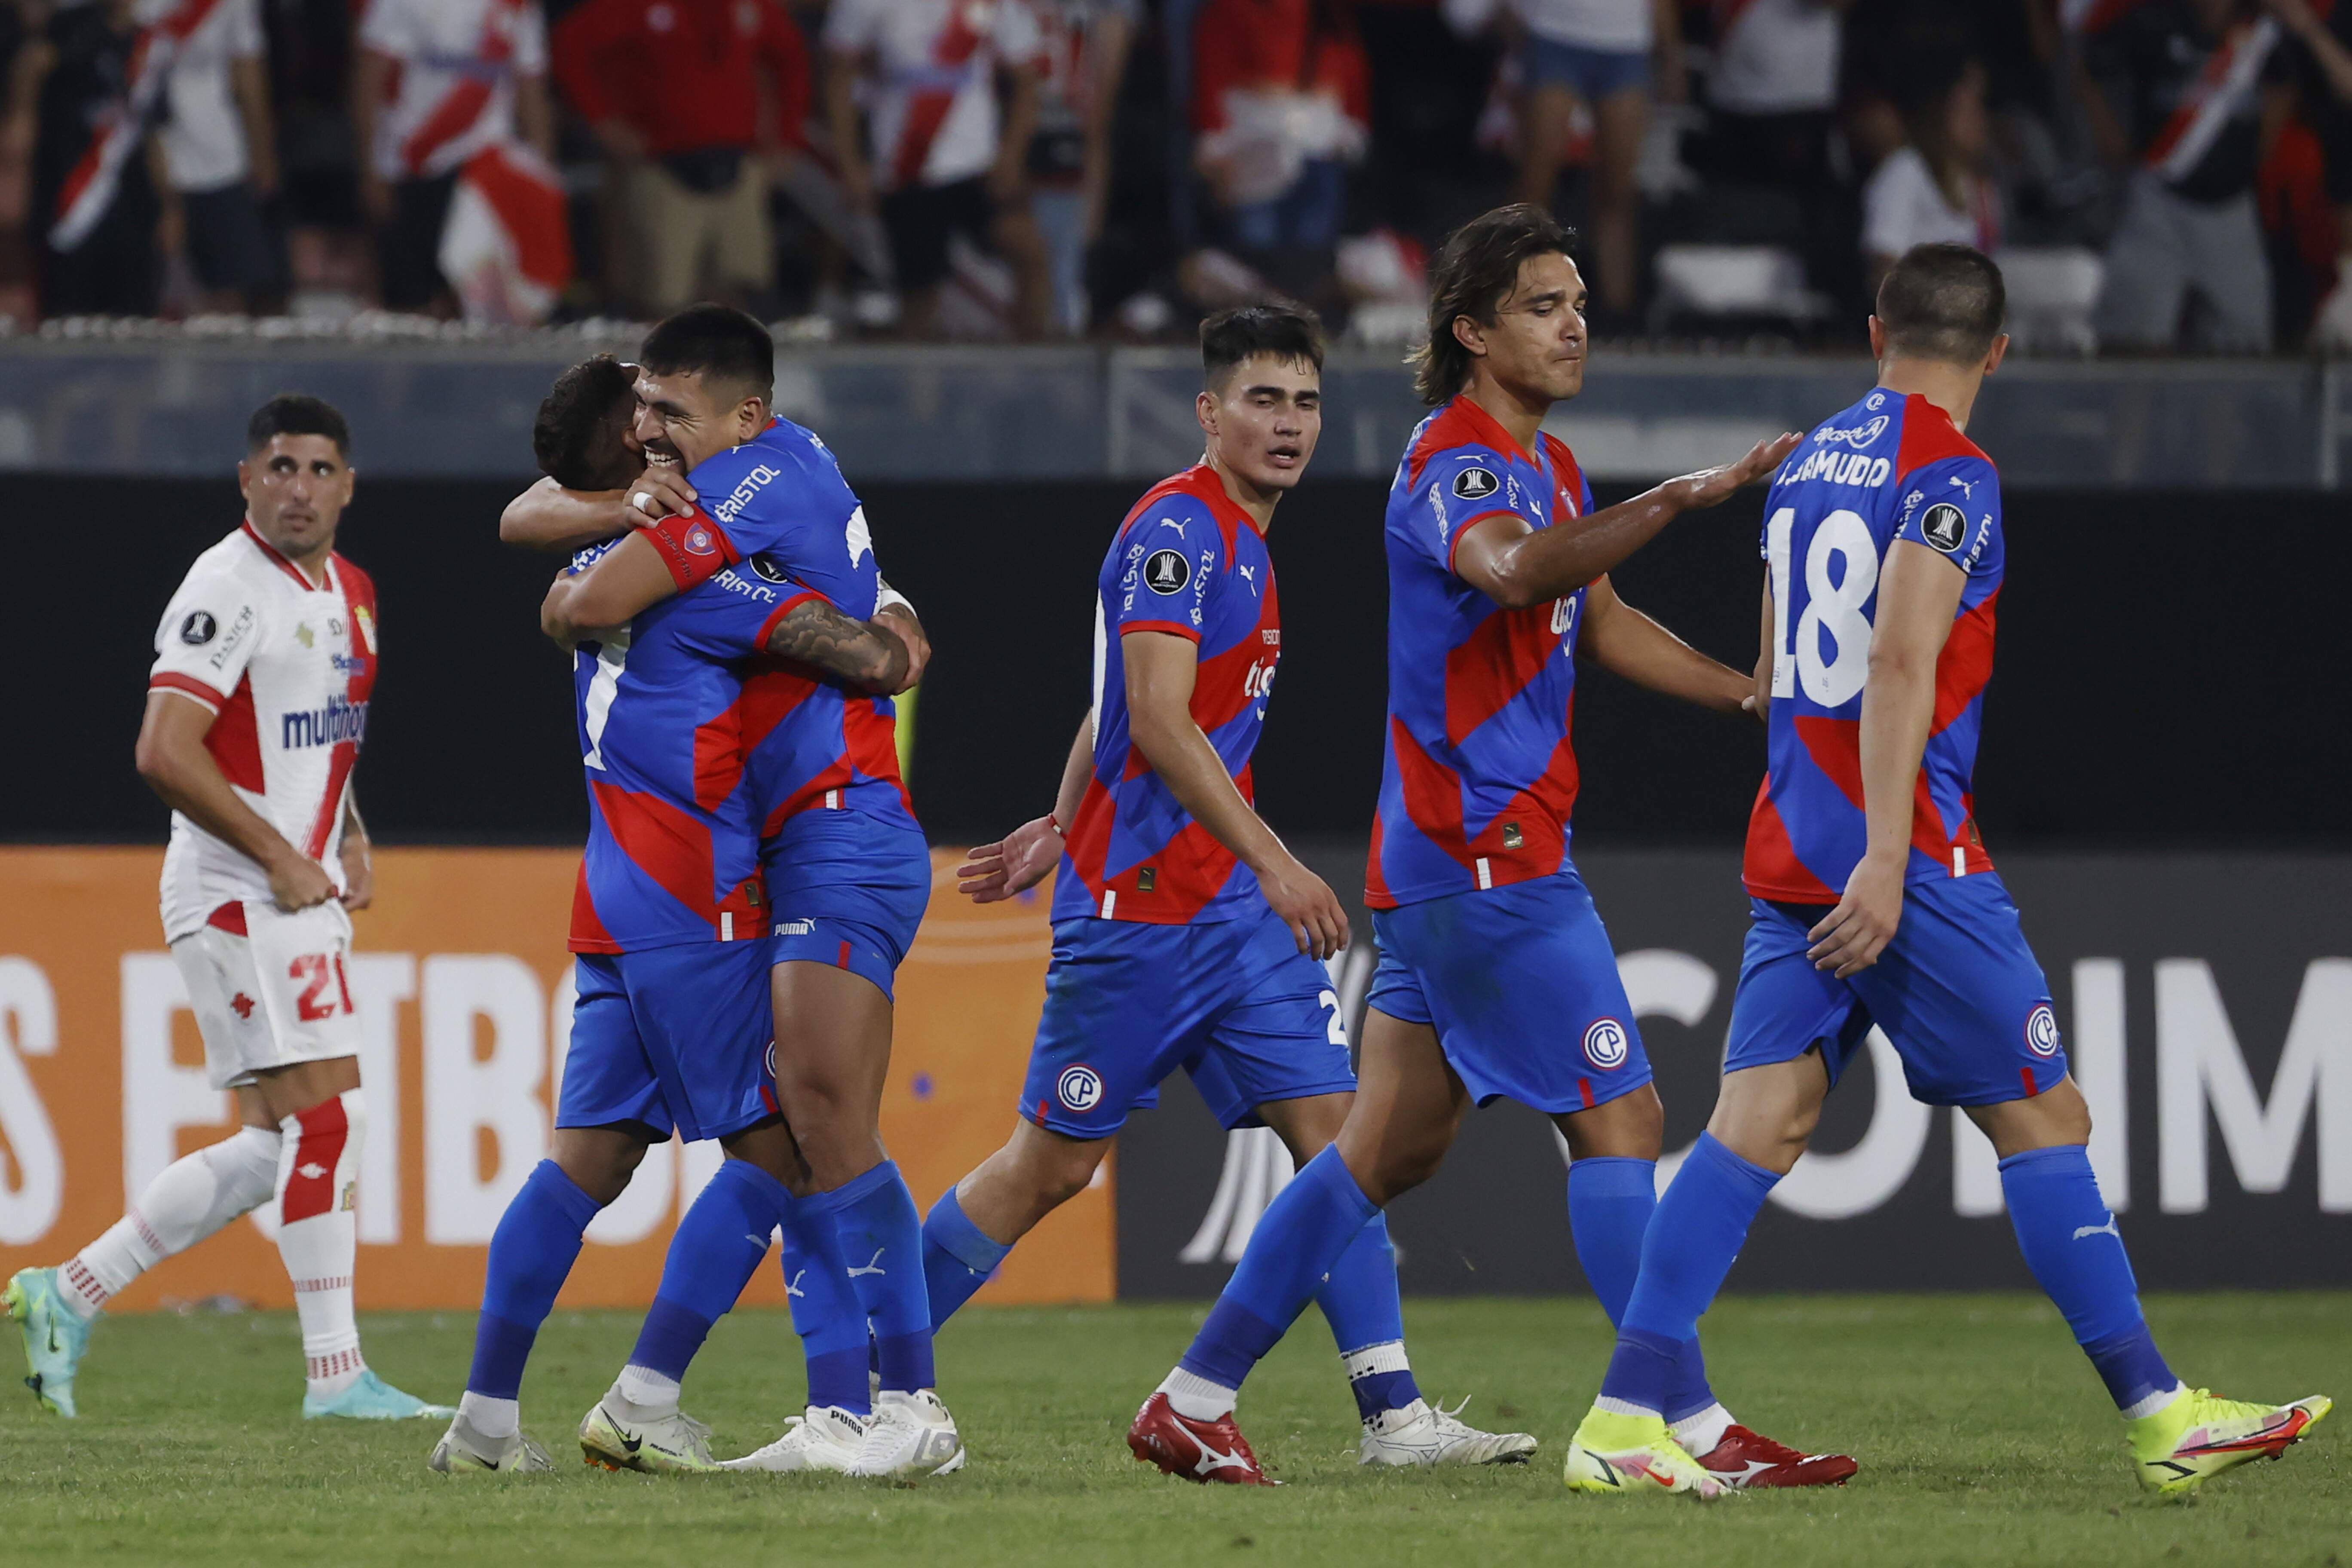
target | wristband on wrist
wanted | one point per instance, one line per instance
(1056, 825)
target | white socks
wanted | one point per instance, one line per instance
(1196, 1398)
(2152, 1403)
(191, 1198)
(648, 1390)
(498, 1418)
(318, 1235)
(1699, 1434)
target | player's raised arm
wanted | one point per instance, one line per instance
(1161, 670)
(1020, 861)
(597, 484)
(1623, 641)
(865, 656)
(1515, 566)
(1918, 592)
(548, 516)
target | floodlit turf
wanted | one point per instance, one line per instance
(1983, 1438)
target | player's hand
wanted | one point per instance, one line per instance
(909, 630)
(1853, 934)
(298, 882)
(993, 872)
(358, 872)
(660, 491)
(1307, 906)
(1710, 486)
(1761, 711)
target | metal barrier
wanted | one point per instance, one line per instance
(175, 403)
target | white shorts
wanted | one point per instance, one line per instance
(274, 996)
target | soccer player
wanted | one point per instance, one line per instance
(672, 1028)
(1495, 977)
(1872, 902)
(846, 864)
(1185, 934)
(256, 708)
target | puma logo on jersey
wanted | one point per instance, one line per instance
(1250, 574)
(872, 1264)
(2107, 1229)
(792, 1285)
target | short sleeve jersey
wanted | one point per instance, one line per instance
(287, 667)
(1189, 563)
(931, 106)
(666, 735)
(453, 93)
(1890, 468)
(779, 508)
(1478, 777)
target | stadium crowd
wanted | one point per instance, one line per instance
(2157, 176)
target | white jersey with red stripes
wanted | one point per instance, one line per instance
(453, 92)
(286, 663)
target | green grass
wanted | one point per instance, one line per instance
(1983, 1439)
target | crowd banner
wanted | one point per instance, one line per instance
(464, 994)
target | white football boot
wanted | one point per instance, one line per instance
(911, 1435)
(464, 1451)
(826, 1439)
(621, 1436)
(1426, 1436)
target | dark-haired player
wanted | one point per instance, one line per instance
(256, 708)
(673, 1023)
(1495, 977)
(1872, 902)
(1185, 934)
(846, 869)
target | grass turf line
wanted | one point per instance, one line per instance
(1983, 1438)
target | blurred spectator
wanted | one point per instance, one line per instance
(1600, 51)
(1934, 188)
(1083, 59)
(1772, 89)
(438, 82)
(2329, 46)
(940, 157)
(94, 207)
(673, 89)
(220, 151)
(1281, 106)
(2189, 94)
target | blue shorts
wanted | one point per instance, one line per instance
(1958, 993)
(672, 1037)
(848, 890)
(1591, 74)
(1233, 1003)
(1521, 985)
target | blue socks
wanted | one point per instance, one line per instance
(718, 1248)
(882, 1243)
(1610, 1200)
(1299, 1240)
(958, 1257)
(1688, 1248)
(532, 1253)
(1358, 1298)
(2076, 1252)
(825, 1311)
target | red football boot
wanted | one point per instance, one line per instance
(1745, 1458)
(1200, 1451)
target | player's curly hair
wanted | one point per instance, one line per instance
(577, 435)
(1944, 301)
(1475, 270)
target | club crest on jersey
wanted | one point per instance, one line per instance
(2041, 1030)
(1945, 526)
(698, 540)
(766, 570)
(1079, 1088)
(199, 628)
(1476, 484)
(1606, 1044)
(1167, 572)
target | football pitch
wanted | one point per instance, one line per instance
(1983, 1438)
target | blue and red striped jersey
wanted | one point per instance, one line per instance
(1189, 563)
(1479, 777)
(1892, 466)
(673, 838)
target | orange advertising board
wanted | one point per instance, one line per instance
(463, 988)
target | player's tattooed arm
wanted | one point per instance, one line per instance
(896, 611)
(1918, 594)
(1515, 566)
(1623, 641)
(172, 759)
(865, 654)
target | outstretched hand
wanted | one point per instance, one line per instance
(1712, 487)
(993, 872)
